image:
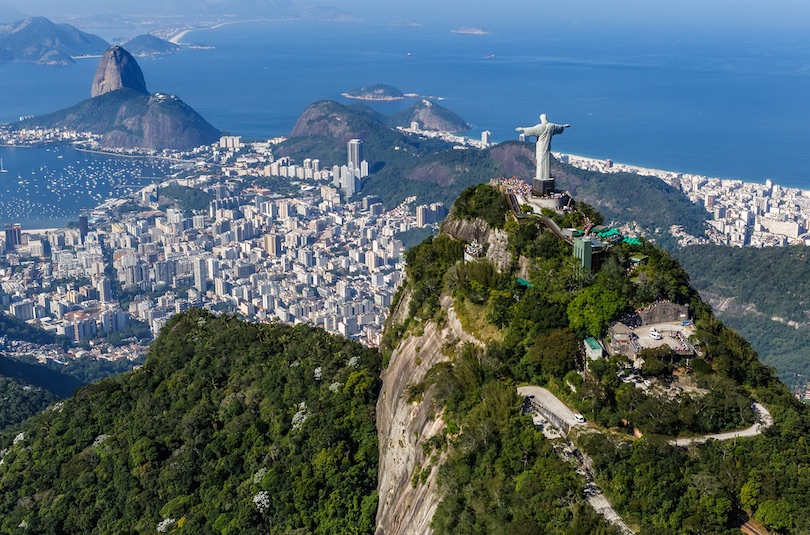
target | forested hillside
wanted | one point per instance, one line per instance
(228, 428)
(749, 287)
(498, 473)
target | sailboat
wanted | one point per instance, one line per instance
(2, 170)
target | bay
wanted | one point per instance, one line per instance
(49, 186)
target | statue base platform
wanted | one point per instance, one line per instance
(542, 187)
(553, 200)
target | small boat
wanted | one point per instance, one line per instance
(2, 170)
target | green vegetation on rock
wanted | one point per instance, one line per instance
(484, 202)
(499, 474)
(228, 428)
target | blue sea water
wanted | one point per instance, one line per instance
(732, 106)
(49, 186)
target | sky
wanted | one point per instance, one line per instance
(757, 17)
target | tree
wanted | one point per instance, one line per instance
(592, 310)
(775, 514)
(554, 353)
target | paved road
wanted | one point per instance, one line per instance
(550, 402)
(750, 529)
(602, 506)
(764, 421)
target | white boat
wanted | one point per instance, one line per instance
(2, 170)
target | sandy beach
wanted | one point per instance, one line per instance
(179, 36)
(176, 39)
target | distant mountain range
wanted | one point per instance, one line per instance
(126, 115)
(38, 40)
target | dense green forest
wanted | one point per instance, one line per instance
(492, 451)
(229, 427)
(28, 386)
(19, 401)
(776, 281)
(189, 199)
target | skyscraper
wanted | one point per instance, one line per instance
(355, 152)
(104, 290)
(200, 274)
(83, 227)
(272, 244)
(13, 236)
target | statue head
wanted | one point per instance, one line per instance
(543, 118)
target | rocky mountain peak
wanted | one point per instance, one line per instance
(117, 69)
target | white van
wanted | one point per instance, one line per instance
(654, 334)
(579, 418)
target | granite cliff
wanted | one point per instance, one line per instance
(407, 425)
(117, 69)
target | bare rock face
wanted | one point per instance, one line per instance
(116, 70)
(406, 506)
(496, 240)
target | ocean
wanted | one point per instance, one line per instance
(731, 106)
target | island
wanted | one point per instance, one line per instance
(379, 92)
(471, 30)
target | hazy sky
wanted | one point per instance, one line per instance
(633, 12)
(761, 16)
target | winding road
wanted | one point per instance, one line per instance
(764, 421)
(551, 405)
(563, 419)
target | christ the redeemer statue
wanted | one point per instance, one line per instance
(543, 133)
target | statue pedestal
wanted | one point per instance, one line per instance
(542, 187)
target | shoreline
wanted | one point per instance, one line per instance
(176, 39)
(118, 155)
(182, 33)
(661, 173)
